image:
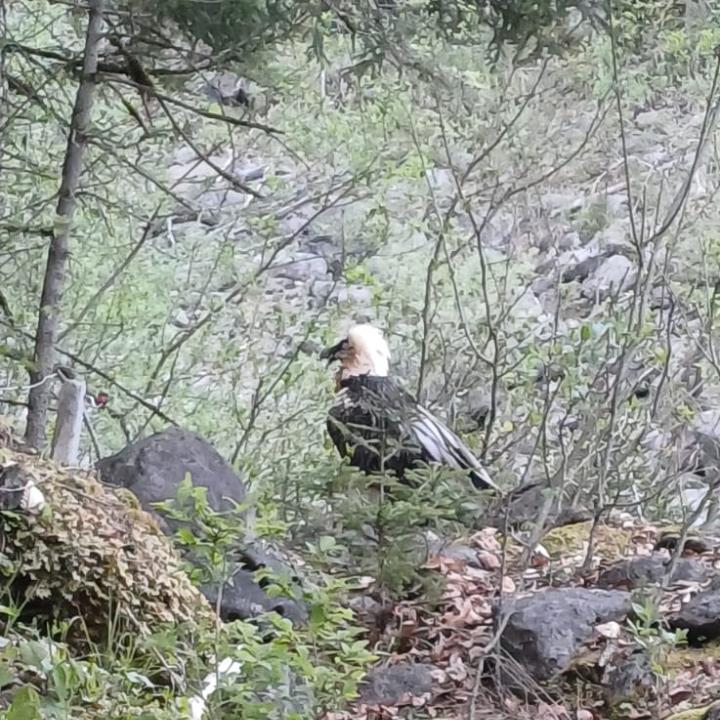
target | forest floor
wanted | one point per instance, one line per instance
(462, 638)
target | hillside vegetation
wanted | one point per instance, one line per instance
(522, 195)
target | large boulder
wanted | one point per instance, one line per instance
(650, 570)
(546, 629)
(153, 469)
(700, 617)
(396, 684)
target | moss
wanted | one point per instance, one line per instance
(611, 542)
(92, 554)
(683, 657)
(694, 714)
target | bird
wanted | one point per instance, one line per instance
(378, 425)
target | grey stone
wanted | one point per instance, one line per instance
(320, 245)
(615, 274)
(154, 467)
(301, 267)
(527, 307)
(561, 203)
(355, 294)
(441, 180)
(323, 289)
(542, 285)
(395, 684)
(707, 422)
(629, 679)
(243, 599)
(658, 119)
(227, 88)
(568, 241)
(451, 549)
(640, 571)
(700, 617)
(525, 504)
(581, 270)
(364, 605)
(248, 172)
(545, 630)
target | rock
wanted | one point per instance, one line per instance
(153, 468)
(629, 679)
(354, 294)
(658, 119)
(525, 504)
(248, 172)
(527, 308)
(472, 410)
(562, 203)
(325, 247)
(310, 347)
(546, 629)
(580, 271)
(18, 490)
(93, 545)
(615, 274)
(707, 422)
(364, 605)
(227, 89)
(668, 540)
(396, 684)
(700, 616)
(242, 599)
(542, 285)
(451, 550)
(639, 571)
(700, 454)
(302, 267)
(323, 289)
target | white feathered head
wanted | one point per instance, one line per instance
(363, 352)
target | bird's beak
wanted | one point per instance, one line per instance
(333, 353)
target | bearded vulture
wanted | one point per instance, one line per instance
(378, 425)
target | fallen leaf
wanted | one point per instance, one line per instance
(488, 560)
(610, 630)
(456, 669)
(486, 539)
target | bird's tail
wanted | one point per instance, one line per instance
(481, 480)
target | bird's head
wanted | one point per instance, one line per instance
(363, 352)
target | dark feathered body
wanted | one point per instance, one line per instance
(380, 426)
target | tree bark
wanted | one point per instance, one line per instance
(55, 270)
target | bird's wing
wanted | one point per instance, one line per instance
(443, 446)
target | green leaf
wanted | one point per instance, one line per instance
(317, 615)
(6, 674)
(25, 705)
(137, 678)
(585, 332)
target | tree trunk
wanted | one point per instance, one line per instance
(54, 281)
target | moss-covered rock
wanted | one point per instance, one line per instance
(92, 554)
